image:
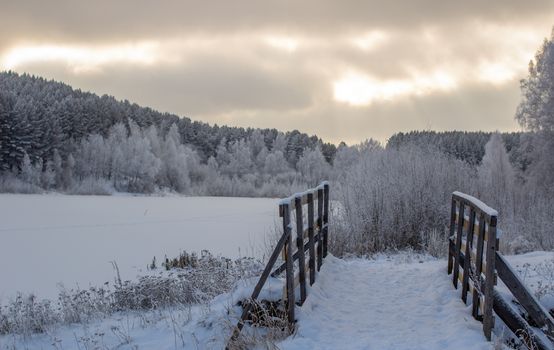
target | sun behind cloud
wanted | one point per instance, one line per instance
(81, 58)
(358, 89)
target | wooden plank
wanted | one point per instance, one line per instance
(518, 324)
(320, 224)
(458, 246)
(289, 271)
(325, 219)
(311, 243)
(291, 201)
(476, 206)
(467, 258)
(478, 265)
(452, 228)
(300, 247)
(490, 254)
(523, 295)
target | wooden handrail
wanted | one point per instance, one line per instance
(316, 231)
(482, 265)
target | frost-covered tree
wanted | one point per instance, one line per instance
(57, 166)
(536, 113)
(279, 143)
(240, 159)
(94, 157)
(496, 175)
(275, 163)
(68, 171)
(48, 176)
(313, 166)
(174, 163)
(14, 141)
(30, 173)
(140, 165)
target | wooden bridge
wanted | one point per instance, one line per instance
(473, 243)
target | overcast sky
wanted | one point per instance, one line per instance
(344, 70)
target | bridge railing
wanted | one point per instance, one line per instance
(308, 234)
(475, 262)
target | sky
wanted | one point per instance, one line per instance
(345, 70)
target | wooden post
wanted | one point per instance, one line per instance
(467, 257)
(311, 243)
(458, 245)
(452, 227)
(488, 318)
(300, 247)
(320, 225)
(325, 219)
(289, 266)
(478, 266)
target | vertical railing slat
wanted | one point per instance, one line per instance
(311, 244)
(452, 228)
(488, 318)
(320, 225)
(478, 265)
(289, 266)
(467, 256)
(458, 244)
(300, 247)
(325, 219)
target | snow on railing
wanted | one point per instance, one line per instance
(477, 203)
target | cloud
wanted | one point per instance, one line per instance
(344, 70)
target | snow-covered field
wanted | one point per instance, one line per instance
(47, 239)
(400, 301)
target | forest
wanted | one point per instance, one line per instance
(54, 138)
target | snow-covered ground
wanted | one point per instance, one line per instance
(46, 239)
(400, 301)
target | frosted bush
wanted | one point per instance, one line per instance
(196, 283)
(12, 184)
(392, 197)
(90, 185)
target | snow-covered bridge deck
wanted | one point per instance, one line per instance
(387, 303)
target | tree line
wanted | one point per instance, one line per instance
(56, 138)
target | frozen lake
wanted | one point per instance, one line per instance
(51, 239)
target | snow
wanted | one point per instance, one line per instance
(536, 270)
(485, 208)
(48, 239)
(290, 199)
(393, 302)
(398, 301)
(385, 304)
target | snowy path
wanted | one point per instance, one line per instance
(385, 304)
